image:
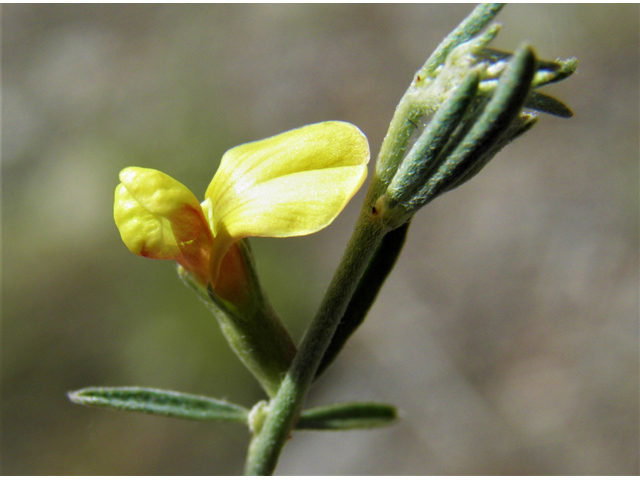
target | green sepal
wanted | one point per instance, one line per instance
(254, 332)
(160, 402)
(347, 416)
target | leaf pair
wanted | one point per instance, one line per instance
(166, 403)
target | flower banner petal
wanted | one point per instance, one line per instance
(297, 204)
(291, 184)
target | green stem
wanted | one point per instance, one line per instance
(285, 407)
(368, 288)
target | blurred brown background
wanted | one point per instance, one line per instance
(508, 333)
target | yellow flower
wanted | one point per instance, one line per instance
(295, 183)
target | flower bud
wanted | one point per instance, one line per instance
(463, 107)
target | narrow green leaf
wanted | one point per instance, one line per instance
(505, 105)
(160, 402)
(347, 416)
(469, 28)
(369, 286)
(519, 126)
(546, 104)
(420, 161)
(552, 72)
(546, 71)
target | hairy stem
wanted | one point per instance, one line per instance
(286, 405)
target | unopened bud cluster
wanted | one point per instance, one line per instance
(466, 103)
